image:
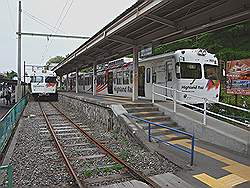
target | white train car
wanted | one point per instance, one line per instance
(191, 71)
(44, 84)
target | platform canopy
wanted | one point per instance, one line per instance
(154, 22)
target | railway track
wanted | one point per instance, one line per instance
(89, 147)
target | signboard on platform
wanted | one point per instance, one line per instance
(238, 77)
(146, 50)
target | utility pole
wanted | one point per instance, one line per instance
(24, 80)
(18, 91)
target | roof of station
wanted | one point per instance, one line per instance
(154, 22)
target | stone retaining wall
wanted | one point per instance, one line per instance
(97, 112)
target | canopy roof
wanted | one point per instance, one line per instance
(154, 22)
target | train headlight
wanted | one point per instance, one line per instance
(185, 96)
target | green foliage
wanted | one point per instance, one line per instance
(88, 173)
(117, 167)
(55, 60)
(88, 69)
(124, 154)
(227, 54)
(10, 75)
(229, 43)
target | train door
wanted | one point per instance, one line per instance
(141, 81)
(169, 78)
(110, 82)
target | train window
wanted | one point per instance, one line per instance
(131, 77)
(99, 79)
(114, 78)
(119, 78)
(50, 79)
(148, 75)
(191, 70)
(126, 77)
(36, 79)
(178, 70)
(154, 77)
(169, 71)
(211, 72)
(87, 81)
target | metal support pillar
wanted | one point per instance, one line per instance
(60, 82)
(135, 73)
(94, 78)
(19, 46)
(77, 75)
(24, 79)
(83, 87)
(67, 82)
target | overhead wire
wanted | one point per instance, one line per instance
(49, 42)
(41, 22)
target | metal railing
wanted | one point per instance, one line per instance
(205, 102)
(9, 120)
(150, 136)
(9, 174)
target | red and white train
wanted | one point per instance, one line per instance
(191, 71)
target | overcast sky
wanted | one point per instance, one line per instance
(78, 17)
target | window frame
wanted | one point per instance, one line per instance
(148, 75)
(211, 66)
(119, 78)
(126, 77)
(35, 81)
(198, 66)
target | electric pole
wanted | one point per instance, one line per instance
(24, 80)
(18, 91)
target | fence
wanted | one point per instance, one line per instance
(8, 122)
(9, 175)
(205, 102)
(150, 136)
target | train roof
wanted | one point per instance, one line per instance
(43, 73)
(181, 52)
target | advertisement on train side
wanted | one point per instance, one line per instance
(238, 77)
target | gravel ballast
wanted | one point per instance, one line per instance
(36, 162)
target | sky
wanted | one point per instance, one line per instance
(68, 17)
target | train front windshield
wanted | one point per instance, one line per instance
(211, 72)
(190, 71)
(36, 79)
(50, 79)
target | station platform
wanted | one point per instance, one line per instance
(3, 107)
(214, 166)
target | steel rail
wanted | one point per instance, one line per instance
(70, 168)
(134, 172)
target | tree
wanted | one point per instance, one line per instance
(10, 75)
(54, 61)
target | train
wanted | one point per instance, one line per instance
(43, 85)
(193, 72)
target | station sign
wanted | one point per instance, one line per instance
(238, 77)
(146, 51)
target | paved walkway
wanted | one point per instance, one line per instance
(214, 166)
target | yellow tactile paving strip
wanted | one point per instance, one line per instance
(118, 100)
(240, 173)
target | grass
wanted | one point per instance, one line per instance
(88, 173)
(124, 154)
